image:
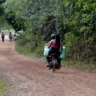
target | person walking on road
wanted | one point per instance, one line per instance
(2, 36)
(10, 36)
(14, 37)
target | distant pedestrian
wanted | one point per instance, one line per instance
(2, 36)
(14, 37)
(10, 36)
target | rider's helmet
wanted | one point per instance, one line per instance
(53, 36)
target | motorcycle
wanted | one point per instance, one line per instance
(53, 62)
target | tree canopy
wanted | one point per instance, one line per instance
(75, 20)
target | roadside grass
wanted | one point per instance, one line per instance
(5, 84)
(2, 87)
(22, 50)
(25, 50)
(88, 67)
(74, 64)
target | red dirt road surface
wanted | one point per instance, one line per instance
(31, 77)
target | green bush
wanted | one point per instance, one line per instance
(39, 51)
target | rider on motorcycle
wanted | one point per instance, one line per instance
(54, 46)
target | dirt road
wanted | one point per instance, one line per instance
(31, 77)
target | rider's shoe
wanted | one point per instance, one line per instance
(50, 67)
(47, 65)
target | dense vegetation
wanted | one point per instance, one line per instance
(75, 20)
